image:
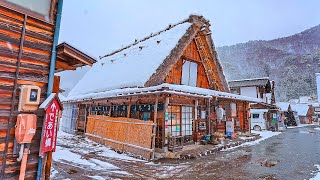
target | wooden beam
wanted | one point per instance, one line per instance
(209, 121)
(65, 66)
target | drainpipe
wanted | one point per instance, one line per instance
(52, 66)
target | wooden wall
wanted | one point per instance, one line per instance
(122, 134)
(191, 54)
(34, 70)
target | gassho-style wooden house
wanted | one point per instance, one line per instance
(172, 79)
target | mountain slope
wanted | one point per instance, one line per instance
(291, 61)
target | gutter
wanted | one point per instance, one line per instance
(52, 66)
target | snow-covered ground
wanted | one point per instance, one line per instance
(316, 173)
(81, 153)
(299, 126)
(264, 135)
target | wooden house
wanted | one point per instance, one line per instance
(263, 89)
(305, 112)
(27, 45)
(171, 79)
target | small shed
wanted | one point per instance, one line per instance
(305, 112)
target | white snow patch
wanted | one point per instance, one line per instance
(103, 165)
(316, 173)
(264, 135)
(64, 154)
(317, 129)
(299, 126)
(87, 146)
(97, 177)
(53, 172)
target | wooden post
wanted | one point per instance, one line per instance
(110, 109)
(196, 104)
(48, 165)
(154, 126)
(165, 111)
(209, 121)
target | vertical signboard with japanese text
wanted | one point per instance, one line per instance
(49, 133)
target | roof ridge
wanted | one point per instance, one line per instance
(250, 79)
(145, 38)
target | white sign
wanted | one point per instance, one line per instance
(220, 113)
(203, 114)
(230, 128)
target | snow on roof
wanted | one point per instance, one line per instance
(294, 101)
(304, 99)
(133, 66)
(301, 109)
(166, 88)
(249, 82)
(284, 106)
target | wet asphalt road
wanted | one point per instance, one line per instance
(295, 152)
(290, 155)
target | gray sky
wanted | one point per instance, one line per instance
(101, 26)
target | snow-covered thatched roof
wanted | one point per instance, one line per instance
(249, 82)
(145, 62)
(163, 88)
(284, 106)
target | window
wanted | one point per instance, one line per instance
(255, 116)
(180, 121)
(33, 95)
(174, 120)
(37, 8)
(189, 73)
(187, 121)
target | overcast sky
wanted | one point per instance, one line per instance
(101, 26)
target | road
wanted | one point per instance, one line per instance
(291, 155)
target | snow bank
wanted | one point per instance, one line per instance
(299, 126)
(317, 129)
(264, 135)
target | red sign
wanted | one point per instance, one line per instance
(49, 133)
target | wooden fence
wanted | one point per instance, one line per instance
(132, 136)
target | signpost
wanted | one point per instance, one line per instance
(49, 135)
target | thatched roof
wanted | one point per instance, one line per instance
(148, 61)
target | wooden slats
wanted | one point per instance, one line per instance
(34, 70)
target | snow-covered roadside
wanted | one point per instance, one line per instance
(317, 128)
(316, 173)
(85, 154)
(86, 146)
(264, 135)
(299, 126)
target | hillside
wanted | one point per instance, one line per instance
(291, 61)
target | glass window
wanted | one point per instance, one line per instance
(189, 73)
(255, 116)
(33, 95)
(41, 7)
